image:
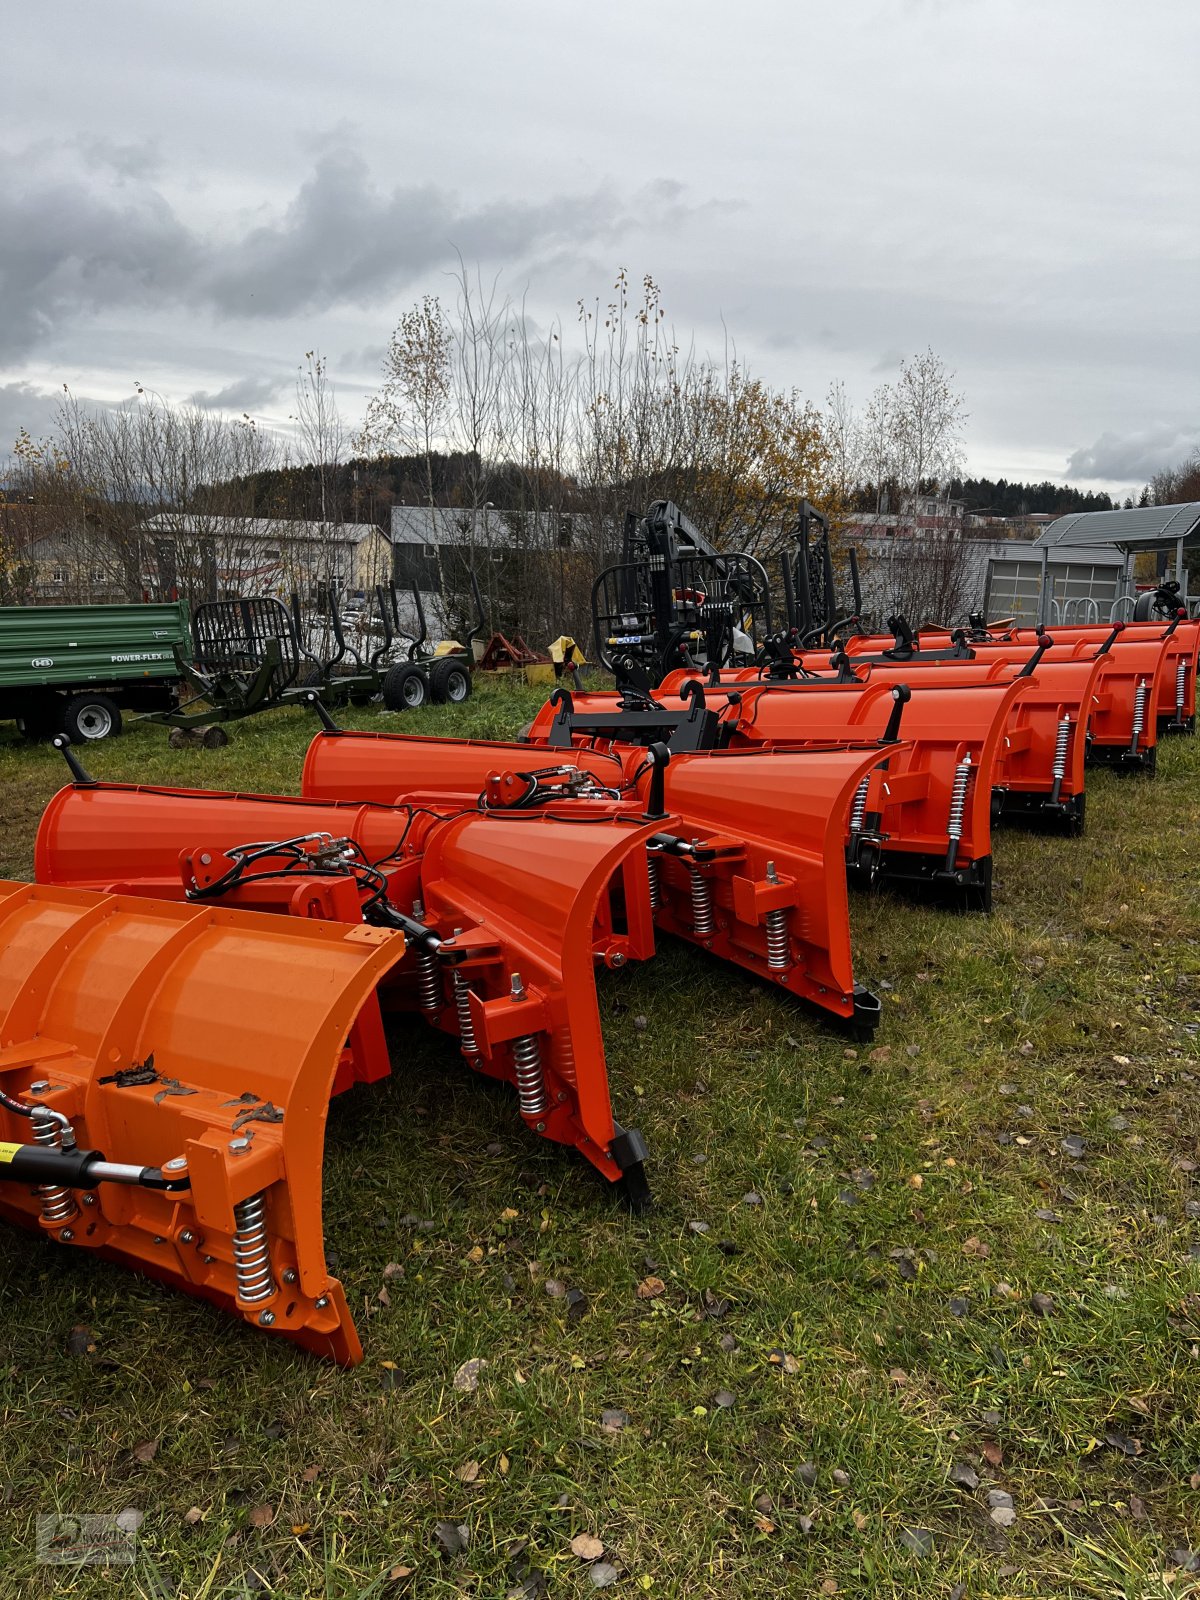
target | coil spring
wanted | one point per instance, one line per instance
(531, 1086)
(655, 886)
(958, 798)
(429, 984)
(858, 809)
(1180, 687)
(251, 1251)
(58, 1204)
(703, 921)
(1139, 709)
(1062, 743)
(778, 950)
(466, 1028)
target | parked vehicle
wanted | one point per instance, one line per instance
(74, 669)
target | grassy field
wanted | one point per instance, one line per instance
(846, 1350)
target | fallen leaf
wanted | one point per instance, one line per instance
(466, 1379)
(976, 1247)
(262, 1516)
(724, 1398)
(860, 1520)
(146, 1451)
(310, 1474)
(650, 1288)
(898, 1376)
(603, 1574)
(301, 1528)
(828, 1586)
(764, 1525)
(453, 1537)
(587, 1547)
(468, 1472)
(383, 1296)
(992, 1452)
(1042, 1304)
(396, 1573)
(192, 1516)
(1123, 1443)
(613, 1420)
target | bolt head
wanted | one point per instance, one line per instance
(176, 1164)
(238, 1145)
(266, 1319)
(40, 1087)
(158, 1239)
(67, 1235)
(540, 1127)
(290, 1275)
(321, 1302)
(88, 1199)
(186, 1236)
(208, 1260)
(618, 958)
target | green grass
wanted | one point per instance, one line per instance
(896, 1185)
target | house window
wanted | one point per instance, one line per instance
(271, 555)
(497, 555)
(430, 552)
(96, 574)
(242, 553)
(59, 575)
(564, 533)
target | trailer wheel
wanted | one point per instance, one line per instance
(90, 716)
(405, 687)
(449, 681)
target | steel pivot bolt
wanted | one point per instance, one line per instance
(176, 1164)
(266, 1319)
(186, 1236)
(517, 987)
(41, 1087)
(67, 1235)
(772, 875)
(321, 1302)
(88, 1199)
(238, 1145)
(289, 1275)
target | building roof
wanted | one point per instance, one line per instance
(282, 529)
(488, 527)
(1143, 527)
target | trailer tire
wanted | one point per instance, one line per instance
(405, 687)
(449, 681)
(90, 716)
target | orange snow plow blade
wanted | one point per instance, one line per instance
(515, 913)
(165, 1072)
(749, 865)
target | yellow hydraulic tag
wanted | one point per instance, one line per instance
(8, 1151)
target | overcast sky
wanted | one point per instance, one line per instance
(193, 195)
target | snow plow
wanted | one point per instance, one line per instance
(149, 1116)
(510, 914)
(745, 860)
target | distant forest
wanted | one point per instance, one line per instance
(1003, 499)
(365, 490)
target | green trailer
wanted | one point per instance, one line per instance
(74, 669)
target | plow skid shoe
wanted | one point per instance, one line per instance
(735, 814)
(520, 897)
(188, 1053)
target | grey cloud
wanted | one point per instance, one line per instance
(1135, 456)
(68, 246)
(244, 394)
